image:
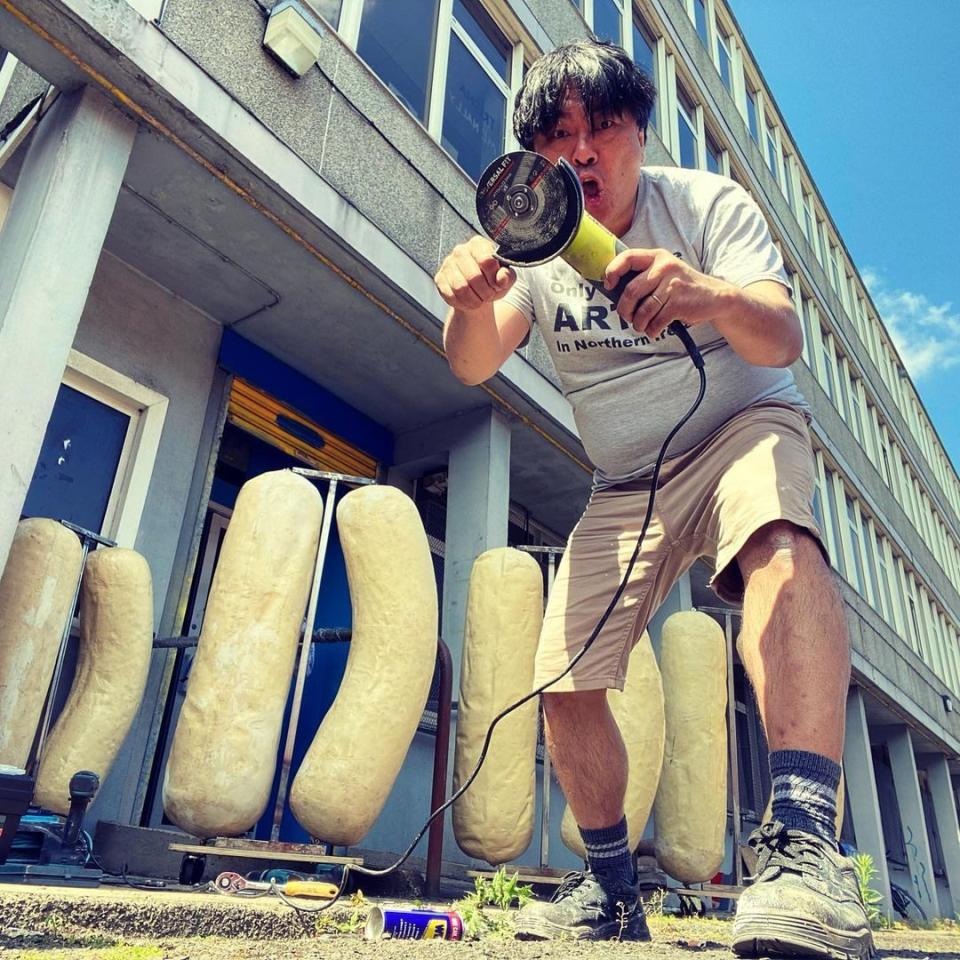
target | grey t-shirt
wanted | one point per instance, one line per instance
(626, 391)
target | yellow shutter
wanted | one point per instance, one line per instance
(282, 427)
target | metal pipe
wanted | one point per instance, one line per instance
(441, 751)
(303, 657)
(86, 538)
(734, 752)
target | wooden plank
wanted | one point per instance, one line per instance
(258, 853)
(539, 876)
(713, 891)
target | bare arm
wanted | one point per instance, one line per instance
(480, 332)
(760, 323)
(757, 320)
(478, 342)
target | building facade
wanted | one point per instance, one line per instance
(210, 268)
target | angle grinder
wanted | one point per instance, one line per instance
(533, 210)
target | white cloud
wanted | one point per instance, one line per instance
(926, 334)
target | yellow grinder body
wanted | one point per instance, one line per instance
(533, 210)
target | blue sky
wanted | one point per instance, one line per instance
(868, 89)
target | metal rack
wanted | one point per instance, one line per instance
(321, 852)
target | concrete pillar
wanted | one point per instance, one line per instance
(912, 820)
(478, 510)
(861, 785)
(50, 244)
(945, 810)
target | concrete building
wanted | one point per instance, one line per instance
(210, 268)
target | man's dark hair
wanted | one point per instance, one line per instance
(604, 77)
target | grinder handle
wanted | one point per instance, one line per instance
(676, 327)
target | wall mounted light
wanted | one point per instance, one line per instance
(294, 34)
(947, 703)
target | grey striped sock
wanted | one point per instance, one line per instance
(805, 792)
(609, 856)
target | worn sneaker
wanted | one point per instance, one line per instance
(804, 901)
(582, 910)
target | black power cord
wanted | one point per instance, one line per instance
(681, 332)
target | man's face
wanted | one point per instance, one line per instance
(607, 151)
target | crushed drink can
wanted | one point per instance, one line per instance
(413, 924)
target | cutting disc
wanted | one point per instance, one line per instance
(530, 208)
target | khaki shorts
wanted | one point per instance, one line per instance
(758, 467)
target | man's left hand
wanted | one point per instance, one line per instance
(666, 289)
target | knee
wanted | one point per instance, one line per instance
(783, 551)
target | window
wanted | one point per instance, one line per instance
(808, 219)
(752, 115)
(78, 460)
(883, 575)
(645, 55)
(834, 276)
(809, 324)
(834, 517)
(460, 90)
(725, 58)
(475, 105)
(853, 532)
(687, 123)
(788, 180)
(714, 156)
(868, 552)
(700, 18)
(98, 451)
(608, 20)
(403, 67)
(856, 416)
(826, 352)
(772, 152)
(844, 386)
(7, 64)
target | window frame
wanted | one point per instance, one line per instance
(351, 16)
(147, 411)
(7, 66)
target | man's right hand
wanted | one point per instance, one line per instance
(471, 276)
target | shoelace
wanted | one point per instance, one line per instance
(789, 850)
(568, 884)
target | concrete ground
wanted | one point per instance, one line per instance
(121, 923)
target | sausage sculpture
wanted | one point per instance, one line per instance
(116, 638)
(639, 713)
(36, 594)
(493, 820)
(690, 810)
(221, 765)
(361, 744)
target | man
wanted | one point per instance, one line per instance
(737, 487)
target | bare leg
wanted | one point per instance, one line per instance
(794, 641)
(588, 754)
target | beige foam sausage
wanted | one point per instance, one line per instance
(690, 810)
(116, 639)
(361, 744)
(224, 751)
(36, 594)
(493, 820)
(638, 710)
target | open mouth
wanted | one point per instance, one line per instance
(590, 187)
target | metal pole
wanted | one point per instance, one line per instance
(438, 794)
(302, 658)
(304, 651)
(86, 538)
(545, 780)
(734, 755)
